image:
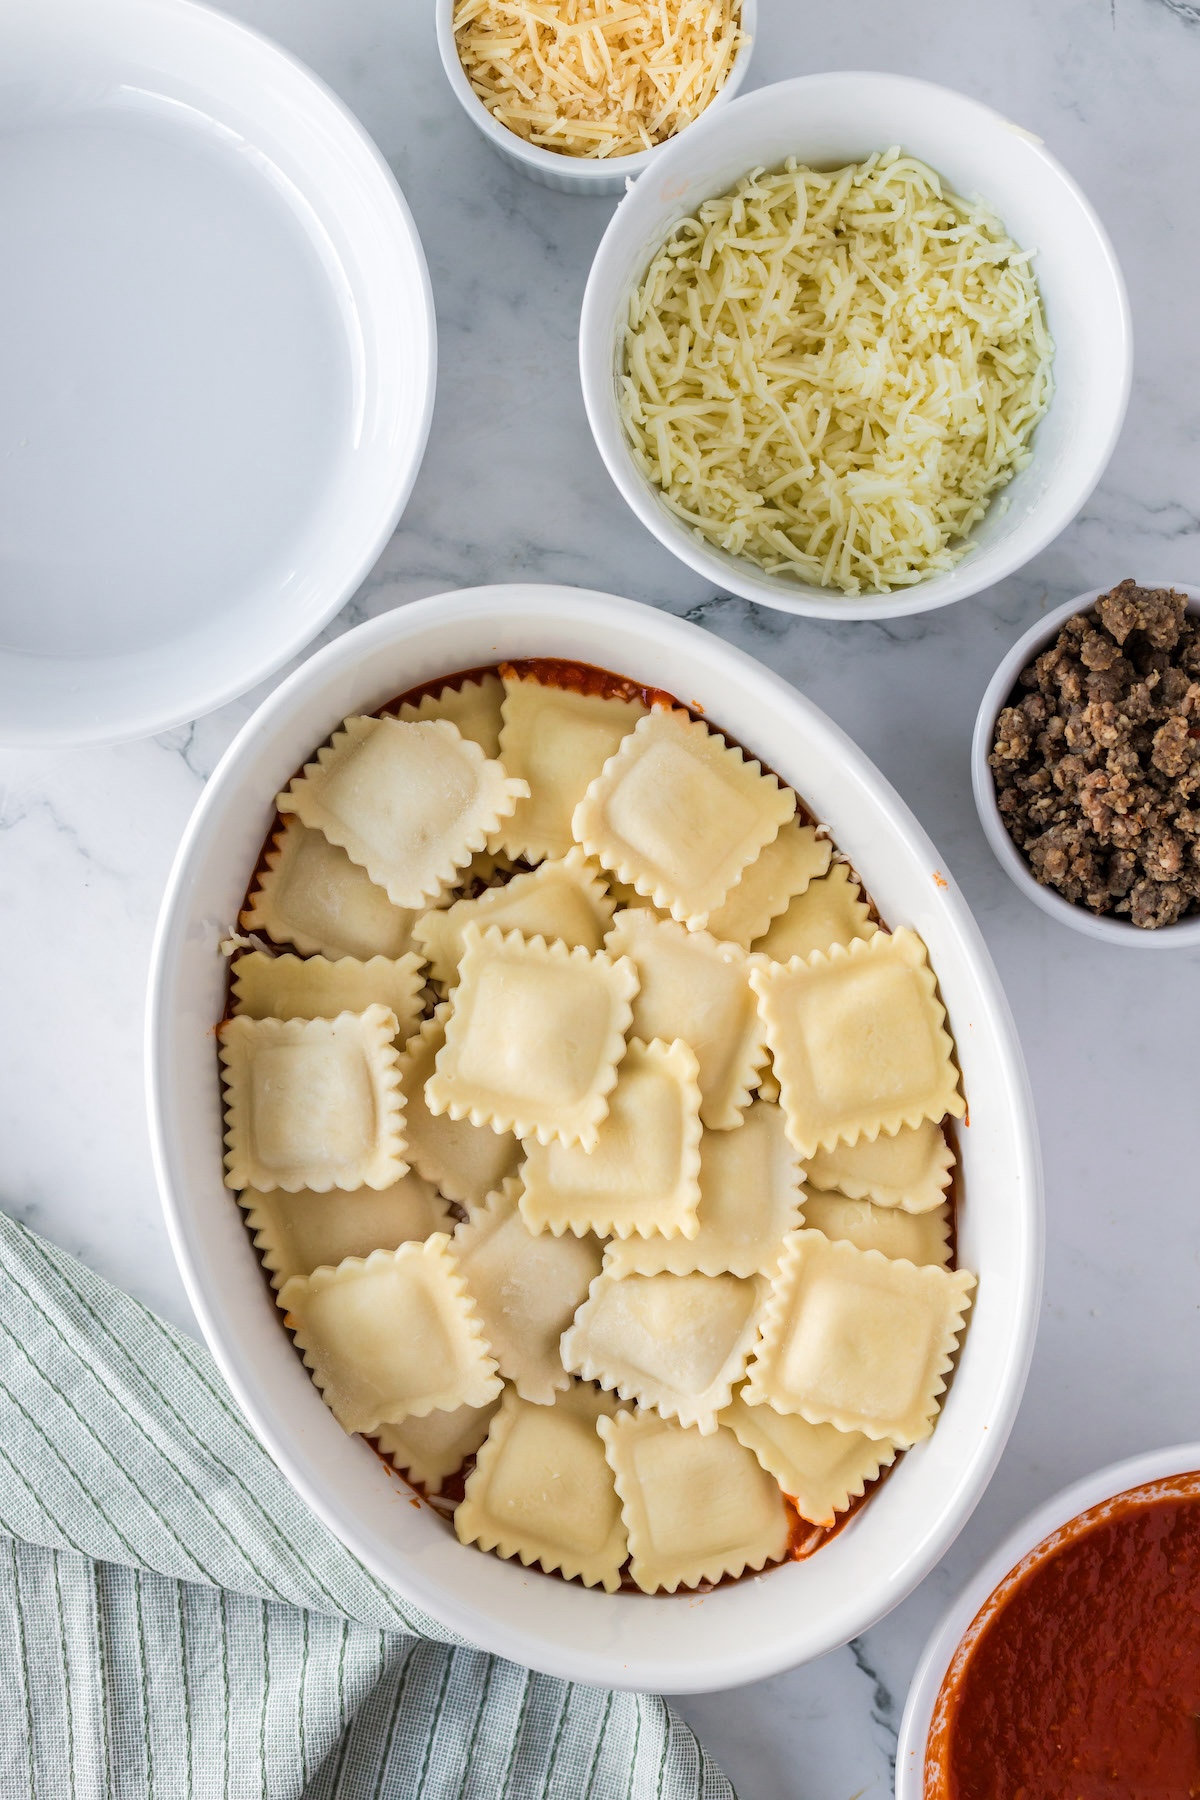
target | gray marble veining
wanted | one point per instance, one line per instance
(512, 488)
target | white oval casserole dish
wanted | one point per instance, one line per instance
(683, 1643)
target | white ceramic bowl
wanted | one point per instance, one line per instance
(825, 121)
(1105, 1484)
(217, 358)
(750, 1629)
(1182, 936)
(573, 174)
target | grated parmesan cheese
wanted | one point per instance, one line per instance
(597, 78)
(832, 373)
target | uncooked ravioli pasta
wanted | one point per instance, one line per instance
(606, 1187)
(642, 1173)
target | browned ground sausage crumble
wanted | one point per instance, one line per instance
(1097, 758)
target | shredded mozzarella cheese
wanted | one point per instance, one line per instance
(832, 373)
(597, 78)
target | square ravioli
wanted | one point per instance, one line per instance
(678, 814)
(411, 803)
(533, 1037)
(310, 895)
(670, 1274)
(558, 740)
(750, 1195)
(313, 987)
(831, 910)
(911, 1237)
(852, 1339)
(465, 1162)
(392, 1337)
(563, 899)
(911, 1169)
(858, 1040)
(313, 1103)
(297, 1233)
(542, 1490)
(781, 870)
(473, 706)
(643, 1173)
(819, 1468)
(695, 1508)
(675, 1342)
(526, 1290)
(693, 988)
(431, 1449)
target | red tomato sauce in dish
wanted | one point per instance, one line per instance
(1080, 1677)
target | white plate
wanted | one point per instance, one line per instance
(673, 1643)
(216, 360)
(1092, 1490)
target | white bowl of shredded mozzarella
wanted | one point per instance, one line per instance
(858, 347)
(581, 95)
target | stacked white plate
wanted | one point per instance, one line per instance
(217, 360)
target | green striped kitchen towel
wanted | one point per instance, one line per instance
(176, 1622)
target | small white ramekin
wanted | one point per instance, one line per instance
(1039, 637)
(573, 174)
(825, 121)
(1093, 1490)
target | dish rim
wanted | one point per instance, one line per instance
(1060, 1509)
(680, 1672)
(1185, 933)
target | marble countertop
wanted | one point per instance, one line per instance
(512, 487)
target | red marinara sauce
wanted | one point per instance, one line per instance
(1080, 1677)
